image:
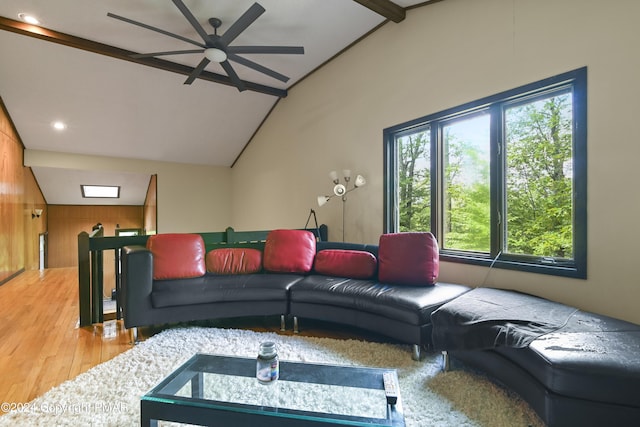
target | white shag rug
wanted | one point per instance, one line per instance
(109, 394)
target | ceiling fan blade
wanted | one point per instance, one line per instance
(264, 70)
(158, 30)
(196, 71)
(173, 52)
(242, 23)
(193, 21)
(232, 75)
(290, 50)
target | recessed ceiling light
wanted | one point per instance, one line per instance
(58, 125)
(101, 191)
(29, 19)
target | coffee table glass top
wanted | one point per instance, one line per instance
(339, 395)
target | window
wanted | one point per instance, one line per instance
(500, 181)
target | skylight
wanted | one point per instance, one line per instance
(100, 191)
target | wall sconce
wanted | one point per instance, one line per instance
(36, 213)
(341, 190)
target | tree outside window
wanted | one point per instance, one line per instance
(539, 182)
(414, 182)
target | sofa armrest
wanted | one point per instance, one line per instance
(136, 285)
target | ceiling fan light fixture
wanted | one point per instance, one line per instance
(215, 55)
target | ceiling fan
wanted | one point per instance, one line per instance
(216, 47)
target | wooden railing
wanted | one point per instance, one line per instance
(91, 262)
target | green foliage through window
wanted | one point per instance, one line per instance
(466, 200)
(501, 180)
(539, 182)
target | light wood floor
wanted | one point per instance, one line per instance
(41, 344)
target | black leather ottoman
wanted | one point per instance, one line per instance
(572, 367)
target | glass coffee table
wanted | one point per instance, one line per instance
(221, 390)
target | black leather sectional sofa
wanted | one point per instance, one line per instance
(389, 288)
(573, 367)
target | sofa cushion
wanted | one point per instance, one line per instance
(596, 365)
(408, 304)
(177, 256)
(408, 259)
(234, 261)
(346, 263)
(289, 251)
(485, 318)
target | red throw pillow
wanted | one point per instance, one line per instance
(289, 251)
(408, 259)
(177, 256)
(234, 261)
(346, 263)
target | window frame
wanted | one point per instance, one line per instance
(576, 81)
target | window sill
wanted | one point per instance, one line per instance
(538, 268)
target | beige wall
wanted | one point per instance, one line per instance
(151, 207)
(441, 56)
(189, 198)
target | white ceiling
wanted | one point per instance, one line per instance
(117, 108)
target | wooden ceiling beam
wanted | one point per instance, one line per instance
(41, 33)
(386, 8)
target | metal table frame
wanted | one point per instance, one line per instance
(162, 403)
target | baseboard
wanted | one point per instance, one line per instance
(6, 279)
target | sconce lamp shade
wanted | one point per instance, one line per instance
(341, 190)
(322, 200)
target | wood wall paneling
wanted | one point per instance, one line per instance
(12, 209)
(67, 221)
(33, 227)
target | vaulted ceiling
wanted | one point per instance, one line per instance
(76, 67)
